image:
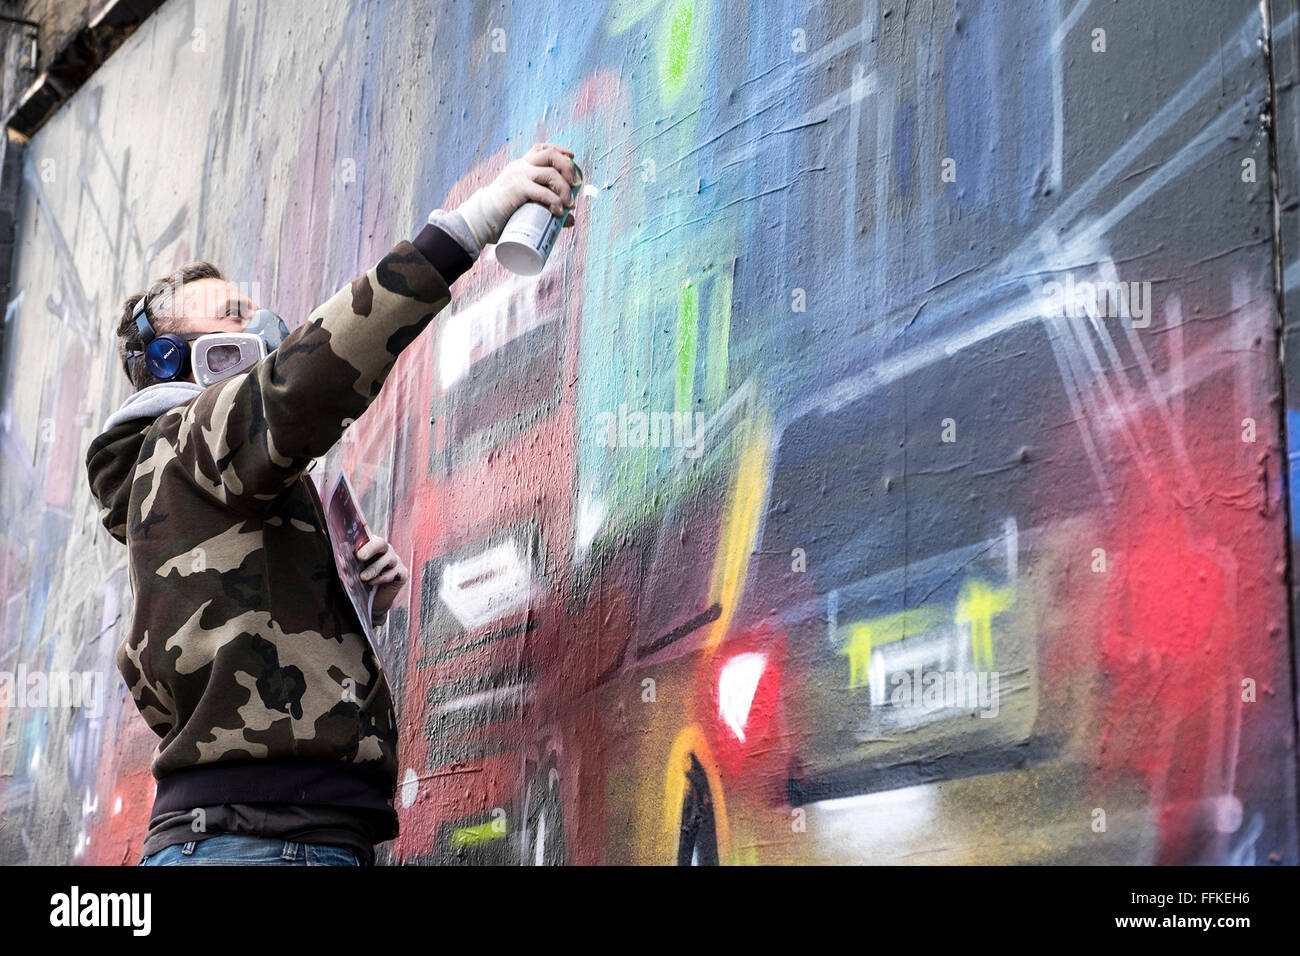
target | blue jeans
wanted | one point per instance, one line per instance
(236, 849)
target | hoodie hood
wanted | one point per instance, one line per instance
(112, 456)
(152, 401)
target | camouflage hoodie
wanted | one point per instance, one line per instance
(244, 654)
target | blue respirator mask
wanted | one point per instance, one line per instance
(214, 355)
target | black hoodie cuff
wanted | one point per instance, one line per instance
(443, 253)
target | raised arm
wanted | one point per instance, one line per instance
(248, 438)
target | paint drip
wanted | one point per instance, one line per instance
(529, 236)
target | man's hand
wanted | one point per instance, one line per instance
(545, 174)
(382, 568)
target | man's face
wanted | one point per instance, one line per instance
(210, 305)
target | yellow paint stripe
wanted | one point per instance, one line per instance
(866, 636)
(744, 508)
(471, 836)
(690, 740)
(976, 605)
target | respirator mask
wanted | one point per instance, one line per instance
(213, 356)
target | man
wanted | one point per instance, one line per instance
(279, 740)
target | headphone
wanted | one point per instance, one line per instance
(166, 356)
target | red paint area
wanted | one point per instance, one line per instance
(734, 754)
(1180, 628)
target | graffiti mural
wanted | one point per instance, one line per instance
(888, 468)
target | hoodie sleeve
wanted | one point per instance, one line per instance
(248, 438)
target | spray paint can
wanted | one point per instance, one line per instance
(529, 236)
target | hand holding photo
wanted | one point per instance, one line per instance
(349, 534)
(384, 573)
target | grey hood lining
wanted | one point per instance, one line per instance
(151, 401)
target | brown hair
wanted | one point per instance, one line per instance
(159, 299)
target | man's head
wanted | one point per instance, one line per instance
(196, 298)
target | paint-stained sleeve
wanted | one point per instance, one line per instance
(248, 438)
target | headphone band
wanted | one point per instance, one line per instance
(142, 323)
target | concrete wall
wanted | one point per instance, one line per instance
(58, 19)
(829, 237)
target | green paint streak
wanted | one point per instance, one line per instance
(470, 836)
(688, 331)
(633, 463)
(679, 46)
(719, 337)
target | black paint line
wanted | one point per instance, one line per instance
(676, 634)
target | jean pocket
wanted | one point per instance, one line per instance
(323, 855)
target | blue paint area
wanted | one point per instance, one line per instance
(904, 158)
(1293, 477)
(968, 97)
(997, 107)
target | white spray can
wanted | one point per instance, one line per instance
(529, 236)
